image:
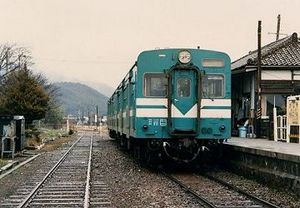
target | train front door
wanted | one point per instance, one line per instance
(184, 101)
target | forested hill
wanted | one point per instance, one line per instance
(77, 98)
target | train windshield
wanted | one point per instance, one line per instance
(155, 84)
(213, 86)
(183, 87)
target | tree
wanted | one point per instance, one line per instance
(13, 58)
(54, 117)
(23, 93)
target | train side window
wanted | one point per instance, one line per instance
(183, 87)
(155, 84)
(213, 86)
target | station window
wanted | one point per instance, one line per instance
(155, 84)
(268, 104)
(213, 86)
(183, 87)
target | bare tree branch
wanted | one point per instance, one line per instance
(13, 58)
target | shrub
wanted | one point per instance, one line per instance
(71, 131)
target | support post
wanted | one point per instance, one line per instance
(275, 124)
(68, 125)
(278, 27)
(258, 78)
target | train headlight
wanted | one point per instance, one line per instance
(222, 128)
(184, 57)
(209, 130)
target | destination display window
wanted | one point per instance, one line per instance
(183, 87)
(213, 63)
(213, 86)
(155, 84)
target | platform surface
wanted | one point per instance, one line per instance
(266, 145)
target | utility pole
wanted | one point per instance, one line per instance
(259, 69)
(258, 77)
(68, 124)
(82, 115)
(97, 116)
(89, 119)
(278, 27)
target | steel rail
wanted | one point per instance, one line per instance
(88, 177)
(230, 186)
(189, 190)
(19, 166)
(27, 199)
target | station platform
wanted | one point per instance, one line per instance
(269, 148)
(270, 162)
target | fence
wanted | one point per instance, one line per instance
(280, 128)
(283, 131)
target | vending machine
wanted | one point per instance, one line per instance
(293, 117)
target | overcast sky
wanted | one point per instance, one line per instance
(98, 41)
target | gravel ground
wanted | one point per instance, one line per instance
(132, 185)
(281, 199)
(135, 186)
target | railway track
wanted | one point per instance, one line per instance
(67, 184)
(213, 192)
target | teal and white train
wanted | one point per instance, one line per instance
(173, 103)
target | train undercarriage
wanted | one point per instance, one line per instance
(179, 150)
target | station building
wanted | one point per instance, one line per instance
(280, 77)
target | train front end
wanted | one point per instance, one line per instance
(183, 101)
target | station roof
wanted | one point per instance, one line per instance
(281, 53)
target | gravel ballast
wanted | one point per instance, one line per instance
(132, 185)
(279, 198)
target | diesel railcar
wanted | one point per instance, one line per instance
(173, 103)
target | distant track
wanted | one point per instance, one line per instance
(56, 190)
(67, 184)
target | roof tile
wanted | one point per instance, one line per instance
(284, 52)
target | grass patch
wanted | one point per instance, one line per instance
(33, 142)
(2, 163)
(52, 134)
(46, 136)
(54, 138)
(52, 145)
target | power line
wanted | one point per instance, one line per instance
(81, 61)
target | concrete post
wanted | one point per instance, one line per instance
(275, 124)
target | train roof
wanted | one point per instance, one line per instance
(181, 49)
